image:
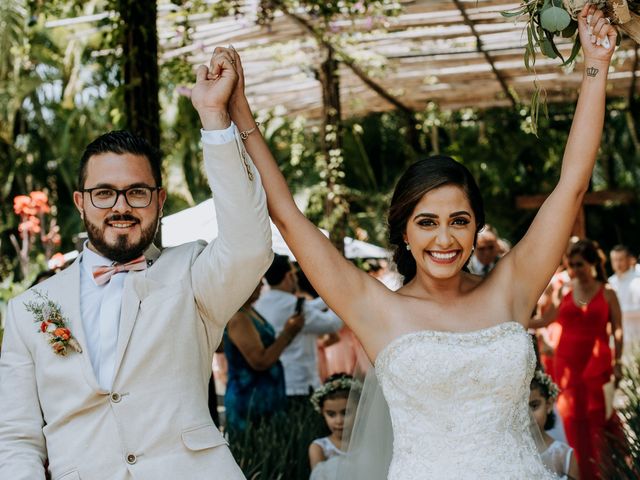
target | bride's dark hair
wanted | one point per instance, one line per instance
(420, 178)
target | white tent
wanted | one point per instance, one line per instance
(199, 223)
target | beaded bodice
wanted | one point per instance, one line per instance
(459, 404)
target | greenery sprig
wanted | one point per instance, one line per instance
(546, 21)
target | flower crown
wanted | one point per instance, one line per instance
(545, 380)
(344, 382)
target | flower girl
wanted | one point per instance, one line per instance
(330, 400)
(558, 456)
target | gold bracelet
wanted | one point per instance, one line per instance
(244, 135)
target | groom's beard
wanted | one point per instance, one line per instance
(122, 250)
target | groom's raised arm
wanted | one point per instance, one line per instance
(230, 267)
(22, 445)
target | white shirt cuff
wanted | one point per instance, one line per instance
(219, 137)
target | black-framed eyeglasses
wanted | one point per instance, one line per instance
(106, 197)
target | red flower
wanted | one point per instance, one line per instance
(31, 225)
(62, 333)
(40, 201)
(43, 326)
(20, 202)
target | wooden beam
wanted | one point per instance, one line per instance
(349, 62)
(499, 77)
(606, 197)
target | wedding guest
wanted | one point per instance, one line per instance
(557, 456)
(277, 305)
(583, 361)
(105, 366)
(626, 283)
(486, 253)
(255, 385)
(330, 400)
(624, 280)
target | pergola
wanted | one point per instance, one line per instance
(455, 53)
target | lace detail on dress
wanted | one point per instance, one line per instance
(459, 404)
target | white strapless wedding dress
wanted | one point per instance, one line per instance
(459, 405)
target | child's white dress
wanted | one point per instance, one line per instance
(328, 448)
(557, 458)
(328, 469)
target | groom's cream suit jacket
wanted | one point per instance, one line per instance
(154, 424)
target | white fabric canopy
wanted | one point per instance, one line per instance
(199, 223)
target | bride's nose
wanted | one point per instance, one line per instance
(443, 237)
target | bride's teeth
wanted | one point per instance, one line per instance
(443, 256)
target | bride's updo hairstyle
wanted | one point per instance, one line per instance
(420, 178)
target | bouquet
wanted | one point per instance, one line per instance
(548, 19)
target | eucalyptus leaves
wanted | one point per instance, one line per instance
(546, 20)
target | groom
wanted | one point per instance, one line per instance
(105, 367)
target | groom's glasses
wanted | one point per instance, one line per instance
(136, 197)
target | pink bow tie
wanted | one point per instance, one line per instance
(103, 274)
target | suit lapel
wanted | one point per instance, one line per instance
(67, 294)
(128, 314)
(135, 288)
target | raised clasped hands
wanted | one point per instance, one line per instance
(597, 35)
(214, 87)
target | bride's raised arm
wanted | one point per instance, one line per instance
(350, 292)
(532, 262)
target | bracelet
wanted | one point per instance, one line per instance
(244, 135)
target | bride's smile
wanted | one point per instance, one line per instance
(441, 232)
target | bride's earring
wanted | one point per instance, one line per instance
(407, 246)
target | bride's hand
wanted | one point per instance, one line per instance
(237, 97)
(597, 35)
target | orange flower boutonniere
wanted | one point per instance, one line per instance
(51, 322)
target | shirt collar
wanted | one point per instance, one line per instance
(92, 259)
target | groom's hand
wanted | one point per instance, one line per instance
(213, 89)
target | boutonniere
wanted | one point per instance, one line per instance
(52, 323)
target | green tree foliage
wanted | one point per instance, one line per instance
(59, 90)
(58, 98)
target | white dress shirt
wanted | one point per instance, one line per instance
(100, 311)
(627, 287)
(100, 304)
(299, 359)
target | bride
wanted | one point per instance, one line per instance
(451, 350)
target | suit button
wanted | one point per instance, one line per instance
(115, 397)
(131, 459)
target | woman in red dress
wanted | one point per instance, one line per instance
(588, 314)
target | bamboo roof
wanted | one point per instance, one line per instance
(455, 53)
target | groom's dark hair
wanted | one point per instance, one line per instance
(121, 142)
